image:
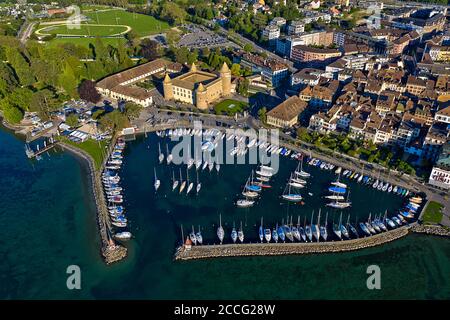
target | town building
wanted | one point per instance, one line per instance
(295, 27)
(302, 53)
(272, 70)
(286, 114)
(440, 175)
(198, 87)
(271, 33)
(121, 86)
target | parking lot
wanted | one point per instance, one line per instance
(200, 37)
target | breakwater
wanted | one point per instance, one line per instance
(436, 230)
(111, 251)
(275, 249)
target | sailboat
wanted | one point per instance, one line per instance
(247, 192)
(275, 234)
(294, 197)
(234, 234)
(280, 232)
(323, 229)
(261, 231)
(169, 155)
(199, 185)
(340, 205)
(353, 230)
(295, 184)
(301, 231)
(295, 230)
(315, 228)
(251, 186)
(161, 155)
(193, 237)
(344, 228)
(241, 234)
(288, 231)
(300, 172)
(369, 225)
(183, 183)
(308, 230)
(364, 228)
(175, 182)
(199, 237)
(337, 228)
(157, 182)
(190, 184)
(220, 231)
(267, 234)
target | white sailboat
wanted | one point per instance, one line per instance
(157, 182)
(161, 155)
(294, 197)
(182, 183)
(169, 155)
(190, 184)
(220, 231)
(199, 185)
(174, 182)
(300, 172)
(241, 234)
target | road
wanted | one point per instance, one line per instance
(24, 34)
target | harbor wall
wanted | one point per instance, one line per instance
(436, 230)
(111, 251)
(275, 249)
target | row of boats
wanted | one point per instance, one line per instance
(360, 177)
(113, 191)
(315, 232)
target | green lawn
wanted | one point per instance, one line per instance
(95, 148)
(230, 107)
(85, 30)
(142, 24)
(433, 212)
(86, 41)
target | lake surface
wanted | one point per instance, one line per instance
(48, 223)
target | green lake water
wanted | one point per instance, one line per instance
(48, 223)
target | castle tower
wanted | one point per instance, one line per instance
(193, 67)
(225, 74)
(168, 89)
(201, 97)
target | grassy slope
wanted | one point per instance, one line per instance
(92, 147)
(433, 212)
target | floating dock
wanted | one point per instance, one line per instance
(292, 248)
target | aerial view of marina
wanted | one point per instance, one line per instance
(250, 150)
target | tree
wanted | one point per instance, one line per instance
(248, 47)
(68, 81)
(236, 69)
(72, 120)
(88, 92)
(182, 55)
(132, 110)
(11, 113)
(172, 37)
(20, 65)
(243, 87)
(7, 79)
(262, 114)
(173, 13)
(150, 49)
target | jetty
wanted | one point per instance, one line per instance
(187, 252)
(34, 154)
(110, 250)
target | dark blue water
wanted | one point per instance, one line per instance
(48, 224)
